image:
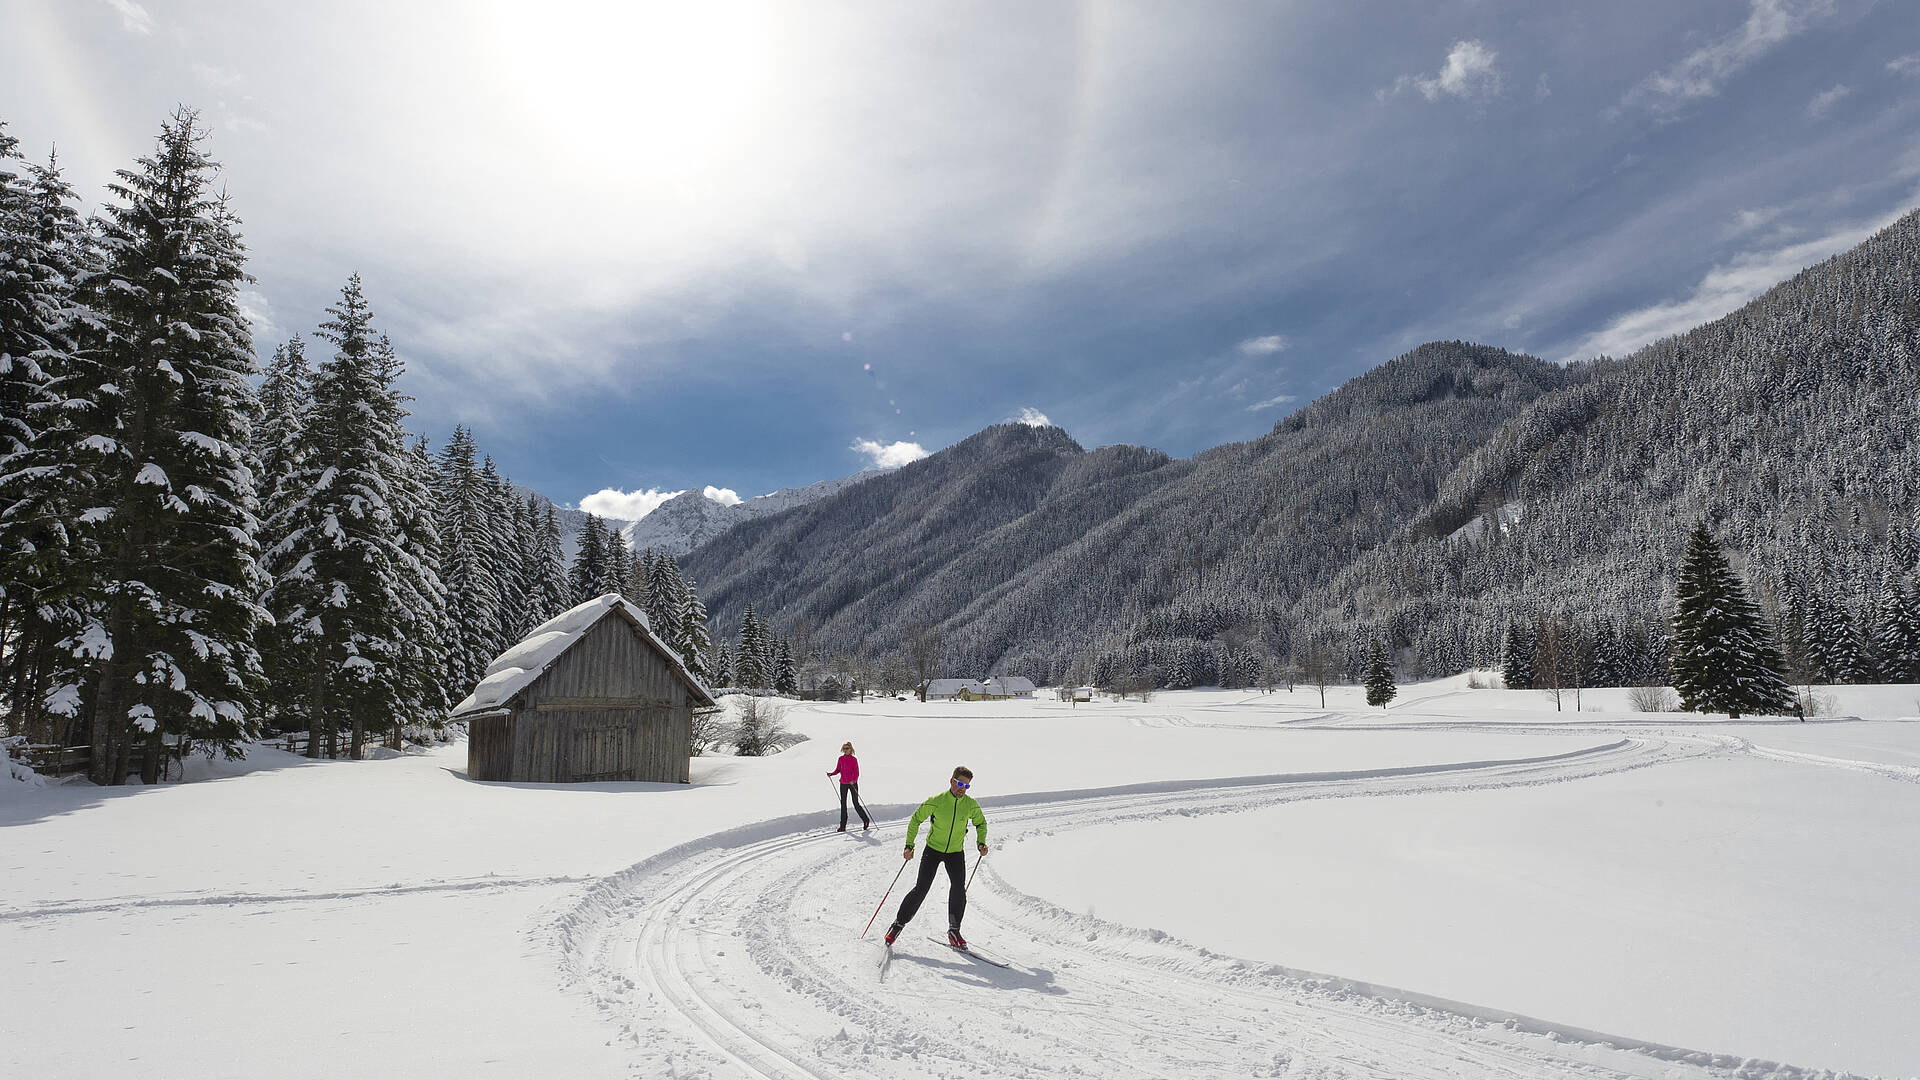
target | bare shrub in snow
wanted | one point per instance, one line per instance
(1816, 703)
(1652, 699)
(762, 727)
(710, 730)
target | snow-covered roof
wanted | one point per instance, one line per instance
(517, 668)
(998, 686)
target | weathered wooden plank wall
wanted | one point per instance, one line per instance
(611, 708)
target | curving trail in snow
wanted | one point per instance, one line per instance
(739, 956)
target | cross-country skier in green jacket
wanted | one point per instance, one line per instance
(948, 813)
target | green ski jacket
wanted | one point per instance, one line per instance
(949, 815)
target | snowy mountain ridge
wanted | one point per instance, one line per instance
(690, 518)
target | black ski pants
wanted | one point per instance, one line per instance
(853, 790)
(930, 863)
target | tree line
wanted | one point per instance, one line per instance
(188, 556)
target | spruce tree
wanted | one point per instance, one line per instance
(1516, 655)
(750, 662)
(553, 593)
(346, 578)
(44, 253)
(694, 642)
(589, 576)
(786, 679)
(466, 564)
(159, 405)
(1897, 631)
(1379, 677)
(1724, 659)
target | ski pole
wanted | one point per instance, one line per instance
(883, 898)
(964, 889)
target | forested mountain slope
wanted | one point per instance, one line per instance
(1792, 424)
(1432, 503)
(1033, 555)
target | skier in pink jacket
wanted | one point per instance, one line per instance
(848, 770)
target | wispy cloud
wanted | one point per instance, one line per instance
(1725, 288)
(134, 19)
(1704, 71)
(1469, 74)
(1272, 402)
(1031, 417)
(1824, 101)
(1263, 346)
(888, 455)
(1908, 65)
(625, 505)
(217, 77)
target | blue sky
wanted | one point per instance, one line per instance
(642, 248)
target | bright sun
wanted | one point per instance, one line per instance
(674, 89)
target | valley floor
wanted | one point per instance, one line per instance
(1211, 883)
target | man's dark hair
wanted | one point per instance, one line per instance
(961, 772)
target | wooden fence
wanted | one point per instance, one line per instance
(67, 760)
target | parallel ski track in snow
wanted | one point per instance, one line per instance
(738, 956)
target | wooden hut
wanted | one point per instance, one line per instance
(591, 694)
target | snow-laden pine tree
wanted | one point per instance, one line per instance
(346, 578)
(423, 705)
(666, 596)
(750, 659)
(552, 593)
(1516, 655)
(286, 398)
(1897, 630)
(466, 564)
(44, 252)
(589, 575)
(1724, 658)
(1379, 677)
(786, 677)
(694, 642)
(721, 672)
(508, 553)
(159, 405)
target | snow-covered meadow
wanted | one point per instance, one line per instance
(1209, 883)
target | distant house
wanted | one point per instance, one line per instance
(998, 688)
(951, 690)
(1009, 686)
(591, 694)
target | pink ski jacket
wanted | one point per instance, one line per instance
(848, 769)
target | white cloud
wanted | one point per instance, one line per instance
(625, 505)
(1263, 346)
(1031, 417)
(133, 18)
(1746, 221)
(1469, 74)
(888, 455)
(258, 311)
(1824, 101)
(723, 496)
(1908, 65)
(1702, 72)
(1278, 399)
(1725, 288)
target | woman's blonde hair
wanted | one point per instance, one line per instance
(846, 748)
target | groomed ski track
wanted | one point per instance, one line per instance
(738, 955)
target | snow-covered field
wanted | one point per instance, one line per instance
(1211, 883)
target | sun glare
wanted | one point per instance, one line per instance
(664, 89)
